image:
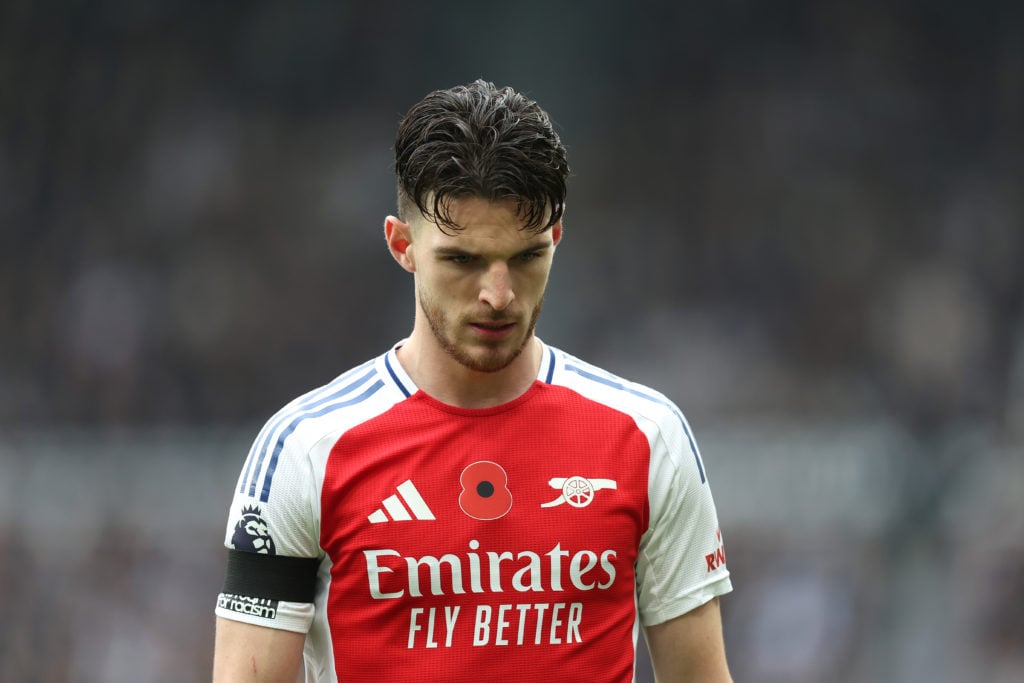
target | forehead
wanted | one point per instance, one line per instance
(482, 224)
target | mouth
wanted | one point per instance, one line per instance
(492, 330)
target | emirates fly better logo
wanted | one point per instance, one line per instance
(519, 579)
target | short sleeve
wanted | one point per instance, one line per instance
(681, 563)
(273, 514)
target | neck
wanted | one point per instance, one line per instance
(442, 377)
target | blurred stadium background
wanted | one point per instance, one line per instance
(804, 221)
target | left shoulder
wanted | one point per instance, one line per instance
(654, 413)
(598, 384)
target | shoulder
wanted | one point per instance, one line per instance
(654, 412)
(352, 397)
(294, 432)
(605, 387)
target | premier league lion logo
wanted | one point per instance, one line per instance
(251, 533)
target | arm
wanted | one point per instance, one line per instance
(266, 604)
(690, 647)
(245, 652)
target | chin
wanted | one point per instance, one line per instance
(489, 362)
(490, 358)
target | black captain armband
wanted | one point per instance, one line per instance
(271, 577)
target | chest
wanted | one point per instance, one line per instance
(552, 493)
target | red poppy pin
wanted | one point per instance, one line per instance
(485, 493)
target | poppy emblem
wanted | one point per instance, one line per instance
(485, 493)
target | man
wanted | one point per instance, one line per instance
(473, 504)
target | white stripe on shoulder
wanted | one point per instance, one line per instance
(281, 417)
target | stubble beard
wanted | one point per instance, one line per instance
(441, 327)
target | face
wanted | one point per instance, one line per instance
(480, 290)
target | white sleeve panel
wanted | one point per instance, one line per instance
(681, 564)
(287, 522)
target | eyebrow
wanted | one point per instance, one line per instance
(456, 251)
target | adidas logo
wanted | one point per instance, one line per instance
(408, 494)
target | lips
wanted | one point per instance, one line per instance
(492, 330)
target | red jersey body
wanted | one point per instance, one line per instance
(526, 542)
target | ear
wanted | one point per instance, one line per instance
(399, 239)
(556, 233)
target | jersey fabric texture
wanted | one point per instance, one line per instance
(528, 541)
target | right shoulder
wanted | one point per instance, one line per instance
(323, 414)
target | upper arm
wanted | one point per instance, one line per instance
(690, 647)
(246, 652)
(266, 605)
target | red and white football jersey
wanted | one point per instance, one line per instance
(525, 542)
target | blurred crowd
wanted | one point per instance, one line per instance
(779, 214)
(808, 206)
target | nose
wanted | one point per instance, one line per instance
(496, 288)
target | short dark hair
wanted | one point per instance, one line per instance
(477, 140)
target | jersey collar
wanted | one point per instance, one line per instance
(397, 375)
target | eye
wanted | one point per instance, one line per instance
(530, 256)
(459, 259)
